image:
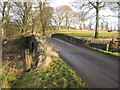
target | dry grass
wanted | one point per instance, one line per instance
(47, 53)
(0, 71)
(0, 77)
(79, 31)
(11, 71)
(13, 63)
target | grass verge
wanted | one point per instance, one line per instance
(112, 53)
(58, 75)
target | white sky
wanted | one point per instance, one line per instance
(57, 3)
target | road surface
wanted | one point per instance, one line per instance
(97, 70)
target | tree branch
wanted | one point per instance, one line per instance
(92, 4)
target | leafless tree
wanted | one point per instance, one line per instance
(58, 17)
(45, 15)
(5, 13)
(88, 6)
(22, 12)
(75, 19)
(102, 25)
(63, 15)
(68, 15)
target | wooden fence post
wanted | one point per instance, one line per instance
(111, 44)
(28, 59)
(107, 47)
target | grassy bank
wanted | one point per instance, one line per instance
(13, 63)
(51, 72)
(112, 53)
(11, 71)
(58, 75)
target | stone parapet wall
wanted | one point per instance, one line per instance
(70, 39)
(112, 46)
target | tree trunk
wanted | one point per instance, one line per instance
(84, 26)
(80, 27)
(44, 34)
(66, 22)
(97, 21)
(59, 27)
(3, 18)
(33, 28)
(102, 26)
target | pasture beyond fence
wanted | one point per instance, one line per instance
(113, 46)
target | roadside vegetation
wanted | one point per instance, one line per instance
(51, 72)
(58, 75)
(112, 53)
(13, 63)
(11, 72)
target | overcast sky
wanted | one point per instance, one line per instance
(57, 3)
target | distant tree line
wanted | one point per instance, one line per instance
(20, 18)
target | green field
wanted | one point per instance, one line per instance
(88, 33)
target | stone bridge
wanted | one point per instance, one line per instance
(112, 46)
(32, 51)
(34, 44)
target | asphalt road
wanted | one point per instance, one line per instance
(97, 70)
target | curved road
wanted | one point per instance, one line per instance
(98, 70)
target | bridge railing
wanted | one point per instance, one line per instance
(70, 39)
(113, 46)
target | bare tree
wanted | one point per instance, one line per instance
(34, 17)
(102, 25)
(90, 25)
(90, 6)
(45, 15)
(5, 12)
(75, 19)
(3, 7)
(106, 26)
(34, 21)
(83, 19)
(63, 15)
(67, 14)
(58, 17)
(22, 11)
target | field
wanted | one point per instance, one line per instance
(104, 36)
(90, 33)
